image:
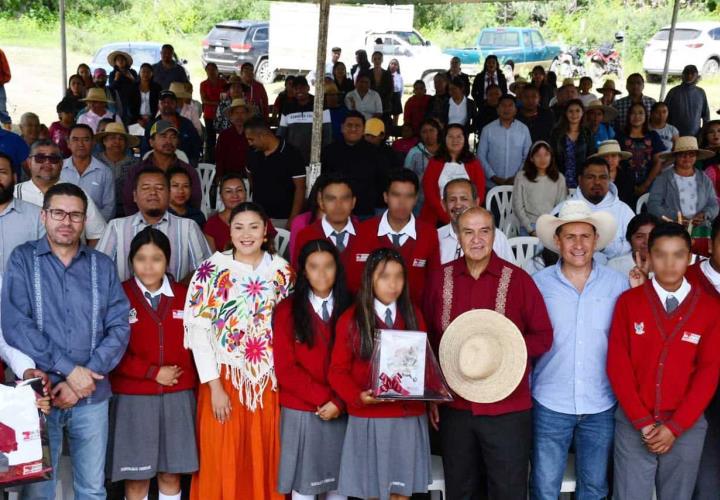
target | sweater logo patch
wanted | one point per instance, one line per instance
(178, 314)
(362, 257)
(133, 316)
(693, 338)
(419, 263)
(639, 328)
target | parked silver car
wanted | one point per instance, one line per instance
(695, 43)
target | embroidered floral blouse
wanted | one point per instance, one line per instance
(228, 321)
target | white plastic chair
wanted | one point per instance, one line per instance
(524, 248)
(501, 197)
(206, 172)
(512, 226)
(642, 201)
(180, 155)
(437, 487)
(571, 192)
(569, 481)
(282, 240)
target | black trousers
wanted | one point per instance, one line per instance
(498, 445)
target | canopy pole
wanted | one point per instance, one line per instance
(316, 144)
(671, 37)
(63, 49)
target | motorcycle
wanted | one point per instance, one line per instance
(605, 60)
(569, 63)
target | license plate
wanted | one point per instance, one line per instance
(219, 50)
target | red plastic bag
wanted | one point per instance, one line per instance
(404, 367)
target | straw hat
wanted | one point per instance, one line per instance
(331, 89)
(611, 147)
(576, 211)
(518, 81)
(609, 112)
(117, 128)
(686, 144)
(96, 94)
(237, 103)
(483, 356)
(568, 82)
(234, 79)
(112, 55)
(609, 85)
(178, 88)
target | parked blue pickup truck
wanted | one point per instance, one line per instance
(526, 47)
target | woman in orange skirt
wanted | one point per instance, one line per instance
(228, 326)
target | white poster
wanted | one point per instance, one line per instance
(401, 363)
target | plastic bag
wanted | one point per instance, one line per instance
(403, 366)
(24, 444)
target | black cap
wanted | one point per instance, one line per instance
(167, 93)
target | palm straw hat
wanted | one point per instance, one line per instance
(611, 147)
(112, 55)
(686, 144)
(180, 91)
(96, 94)
(568, 82)
(238, 102)
(483, 356)
(609, 113)
(609, 85)
(576, 211)
(117, 128)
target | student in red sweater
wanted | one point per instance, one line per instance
(386, 453)
(154, 403)
(336, 201)
(312, 420)
(416, 241)
(452, 161)
(663, 364)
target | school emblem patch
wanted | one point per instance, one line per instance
(639, 328)
(133, 316)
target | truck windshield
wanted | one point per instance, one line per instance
(500, 39)
(409, 37)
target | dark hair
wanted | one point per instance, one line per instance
(645, 126)
(248, 206)
(150, 170)
(457, 82)
(530, 169)
(365, 306)
(311, 204)
(443, 153)
(301, 308)
(551, 79)
(584, 79)
(657, 105)
(336, 178)
(493, 86)
(247, 65)
(149, 236)
(402, 175)
(229, 177)
(376, 52)
(669, 230)
(64, 189)
(149, 66)
(638, 221)
(81, 126)
(715, 228)
(530, 88)
(354, 114)
(497, 63)
(460, 180)
(705, 130)
(300, 81)
(506, 97)
(364, 74)
(563, 125)
(290, 79)
(539, 69)
(82, 65)
(105, 121)
(167, 46)
(178, 170)
(257, 124)
(211, 64)
(5, 156)
(418, 82)
(434, 124)
(40, 143)
(598, 160)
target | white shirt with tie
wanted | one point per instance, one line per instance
(679, 294)
(381, 311)
(317, 304)
(329, 230)
(165, 289)
(406, 232)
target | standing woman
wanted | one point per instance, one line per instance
(490, 75)
(145, 97)
(419, 156)
(453, 161)
(386, 453)
(153, 409)
(84, 71)
(228, 326)
(75, 93)
(122, 82)
(381, 81)
(312, 414)
(572, 142)
(397, 107)
(362, 65)
(340, 77)
(644, 145)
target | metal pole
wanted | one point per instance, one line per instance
(676, 7)
(316, 144)
(63, 49)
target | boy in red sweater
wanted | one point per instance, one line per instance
(663, 364)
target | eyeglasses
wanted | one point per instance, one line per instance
(40, 158)
(60, 215)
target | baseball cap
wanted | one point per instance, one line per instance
(167, 93)
(375, 127)
(99, 72)
(162, 126)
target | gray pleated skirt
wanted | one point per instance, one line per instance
(310, 450)
(151, 434)
(385, 456)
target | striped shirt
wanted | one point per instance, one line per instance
(187, 242)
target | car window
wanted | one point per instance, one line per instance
(715, 34)
(409, 37)
(261, 35)
(537, 39)
(142, 55)
(680, 34)
(526, 39)
(100, 58)
(227, 33)
(500, 38)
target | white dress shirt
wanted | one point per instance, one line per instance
(711, 274)
(450, 246)
(317, 302)
(408, 231)
(679, 294)
(457, 113)
(380, 309)
(165, 289)
(16, 360)
(328, 230)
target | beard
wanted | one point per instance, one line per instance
(595, 199)
(155, 212)
(6, 193)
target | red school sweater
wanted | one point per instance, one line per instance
(433, 210)
(156, 340)
(664, 367)
(420, 255)
(302, 371)
(315, 232)
(350, 374)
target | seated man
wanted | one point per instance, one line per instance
(151, 189)
(188, 139)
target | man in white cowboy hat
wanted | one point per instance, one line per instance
(189, 140)
(608, 92)
(480, 434)
(595, 189)
(97, 109)
(598, 118)
(635, 85)
(573, 401)
(683, 193)
(116, 145)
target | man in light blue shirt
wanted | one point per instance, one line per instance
(573, 400)
(504, 144)
(86, 171)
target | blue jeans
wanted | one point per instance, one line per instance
(87, 432)
(553, 433)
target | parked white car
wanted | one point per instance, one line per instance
(695, 43)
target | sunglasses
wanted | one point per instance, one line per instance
(40, 158)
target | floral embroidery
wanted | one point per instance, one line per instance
(502, 291)
(204, 271)
(447, 297)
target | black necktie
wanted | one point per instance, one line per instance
(671, 303)
(325, 312)
(396, 238)
(339, 240)
(154, 300)
(388, 317)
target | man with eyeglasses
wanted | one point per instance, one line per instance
(45, 164)
(64, 307)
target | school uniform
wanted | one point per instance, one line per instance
(310, 448)
(417, 243)
(152, 425)
(386, 449)
(322, 230)
(663, 365)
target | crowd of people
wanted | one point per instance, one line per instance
(174, 341)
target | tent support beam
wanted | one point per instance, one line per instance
(671, 37)
(316, 144)
(63, 49)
